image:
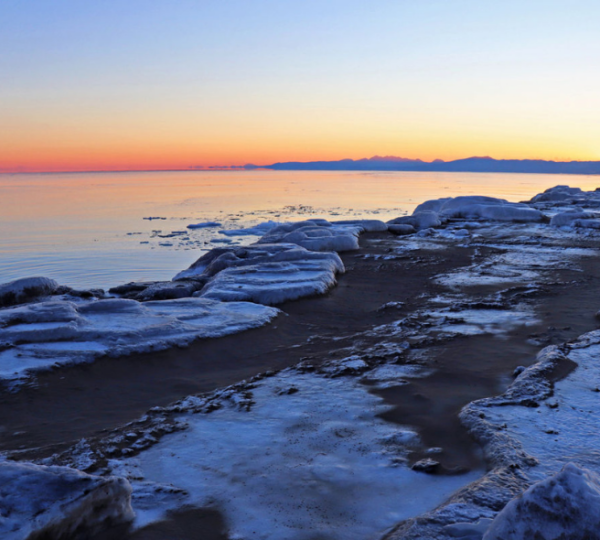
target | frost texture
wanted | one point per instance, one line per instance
(21, 290)
(38, 336)
(315, 235)
(566, 505)
(58, 502)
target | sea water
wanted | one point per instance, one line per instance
(97, 230)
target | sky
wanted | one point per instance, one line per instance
(147, 84)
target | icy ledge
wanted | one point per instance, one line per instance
(57, 502)
(40, 336)
(529, 434)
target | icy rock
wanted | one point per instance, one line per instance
(468, 531)
(292, 274)
(219, 259)
(557, 194)
(204, 225)
(426, 465)
(169, 290)
(22, 290)
(46, 334)
(401, 230)
(566, 505)
(58, 502)
(480, 207)
(315, 235)
(257, 230)
(567, 219)
(423, 219)
(367, 225)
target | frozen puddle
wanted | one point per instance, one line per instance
(310, 459)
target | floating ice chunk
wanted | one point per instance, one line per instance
(204, 225)
(566, 505)
(293, 274)
(257, 230)
(21, 290)
(315, 235)
(38, 336)
(58, 502)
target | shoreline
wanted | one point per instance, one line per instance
(454, 316)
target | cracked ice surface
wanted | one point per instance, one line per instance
(312, 463)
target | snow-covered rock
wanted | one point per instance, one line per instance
(22, 290)
(566, 505)
(41, 335)
(287, 275)
(315, 235)
(57, 502)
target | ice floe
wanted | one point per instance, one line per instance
(42, 335)
(58, 502)
(204, 225)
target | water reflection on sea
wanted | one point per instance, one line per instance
(92, 229)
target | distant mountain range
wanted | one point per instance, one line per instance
(472, 164)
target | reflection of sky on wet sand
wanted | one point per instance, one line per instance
(88, 229)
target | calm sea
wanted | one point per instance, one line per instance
(91, 229)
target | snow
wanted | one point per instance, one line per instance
(317, 462)
(204, 225)
(42, 335)
(58, 502)
(21, 290)
(565, 505)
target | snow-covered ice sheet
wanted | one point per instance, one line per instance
(58, 502)
(41, 335)
(309, 459)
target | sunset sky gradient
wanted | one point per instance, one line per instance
(147, 84)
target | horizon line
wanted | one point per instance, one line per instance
(251, 166)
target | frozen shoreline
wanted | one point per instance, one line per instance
(521, 258)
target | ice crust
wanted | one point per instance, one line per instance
(58, 502)
(21, 290)
(257, 230)
(39, 336)
(313, 463)
(315, 235)
(566, 505)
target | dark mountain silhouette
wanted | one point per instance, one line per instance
(472, 164)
